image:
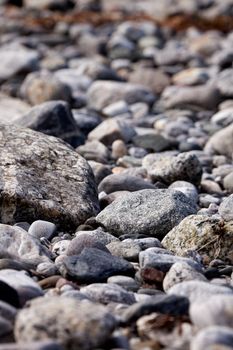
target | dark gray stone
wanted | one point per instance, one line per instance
(42, 178)
(94, 265)
(162, 303)
(52, 118)
(149, 212)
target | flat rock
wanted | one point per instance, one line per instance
(104, 93)
(94, 265)
(42, 178)
(123, 182)
(149, 212)
(199, 233)
(17, 244)
(217, 311)
(199, 291)
(77, 325)
(106, 293)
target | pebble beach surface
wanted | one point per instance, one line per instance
(116, 175)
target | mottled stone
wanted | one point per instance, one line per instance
(149, 212)
(107, 293)
(226, 209)
(77, 325)
(200, 233)
(168, 168)
(42, 178)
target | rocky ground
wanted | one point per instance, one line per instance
(116, 175)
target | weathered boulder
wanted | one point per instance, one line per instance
(43, 178)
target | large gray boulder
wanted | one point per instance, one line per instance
(150, 212)
(43, 178)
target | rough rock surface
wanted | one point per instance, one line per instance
(42, 178)
(150, 212)
(66, 320)
(207, 236)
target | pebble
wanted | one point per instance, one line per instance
(215, 337)
(41, 228)
(126, 282)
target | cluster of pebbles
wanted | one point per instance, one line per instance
(116, 178)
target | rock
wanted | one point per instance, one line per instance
(41, 228)
(9, 295)
(186, 188)
(153, 142)
(162, 261)
(154, 211)
(203, 96)
(38, 180)
(127, 249)
(221, 142)
(94, 265)
(94, 150)
(217, 311)
(41, 345)
(225, 209)
(179, 272)
(11, 109)
(7, 311)
(52, 118)
(42, 86)
(101, 236)
(47, 269)
(224, 82)
(103, 93)
(223, 117)
(106, 293)
(116, 108)
(119, 149)
(200, 233)
(6, 327)
(100, 170)
(18, 244)
(168, 169)
(199, 291)
(214, 337)
(228, 182)
(154, 79)
(83, 325)
(110, 130)
(15, 60)
(191, 76)
(24, 285)
(161, 303)
(126, 282)
(123, 182)
(47, 4)
(60, 247)
(81, 241)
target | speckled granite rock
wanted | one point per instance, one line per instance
(42, 178)
(208, 236)
(150, 212)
